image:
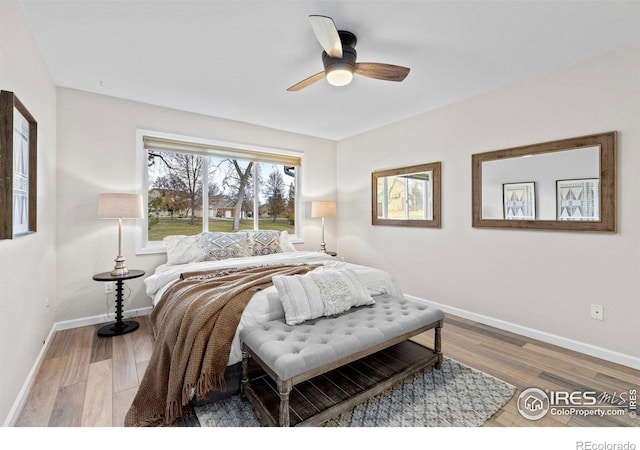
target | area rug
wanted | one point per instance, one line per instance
(454, 396)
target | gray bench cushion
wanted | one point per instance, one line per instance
(294, 350)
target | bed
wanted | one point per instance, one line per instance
(219, 253)
(265, 304)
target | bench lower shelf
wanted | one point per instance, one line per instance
(315, 401)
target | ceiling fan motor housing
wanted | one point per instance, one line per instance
(349, 54)
(348, 60)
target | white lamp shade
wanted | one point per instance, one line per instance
(323, 209)
(120, 206)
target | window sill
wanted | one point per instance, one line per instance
(152, 248)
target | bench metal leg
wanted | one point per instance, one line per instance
(284, 389)
(437, 345)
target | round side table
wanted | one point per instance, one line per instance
(120, 326)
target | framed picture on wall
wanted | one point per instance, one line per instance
(18, 166)
(578, 199)
(519, 200)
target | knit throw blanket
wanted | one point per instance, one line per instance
(194, 324)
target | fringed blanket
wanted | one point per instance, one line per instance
(194, 324)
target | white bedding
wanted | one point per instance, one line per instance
(265, 305)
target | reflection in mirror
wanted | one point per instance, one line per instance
(513, 187)
(408, 196)
(562, 185)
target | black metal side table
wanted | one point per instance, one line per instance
(120, 326)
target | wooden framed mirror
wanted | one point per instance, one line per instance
(567, 185)
(406, 196)
(18, 168)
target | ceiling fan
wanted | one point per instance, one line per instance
(339, 58)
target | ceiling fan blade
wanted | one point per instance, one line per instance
(327, 34)
(380, 71)
(307, 82)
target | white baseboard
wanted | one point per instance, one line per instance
(581, 347)
(16, 409)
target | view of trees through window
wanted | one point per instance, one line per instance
(190, 193)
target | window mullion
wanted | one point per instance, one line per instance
(385, 202)
(406, 198)
(205, 193)
(425, 200)
(256, 200)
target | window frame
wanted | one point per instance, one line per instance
(143, 245)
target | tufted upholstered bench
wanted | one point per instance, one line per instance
(293, 354)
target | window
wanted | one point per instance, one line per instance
(193, 186)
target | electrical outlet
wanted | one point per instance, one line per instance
(597, 312)
(108, 287)
(46, 302)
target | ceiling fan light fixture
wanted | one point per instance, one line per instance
(339, 71)
(340, 76)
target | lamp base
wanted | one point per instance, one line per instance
(323, 247)
(119, 269)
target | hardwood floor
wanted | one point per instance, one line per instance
(89, 381)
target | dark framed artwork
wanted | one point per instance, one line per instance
(519, 201)
(18, 168)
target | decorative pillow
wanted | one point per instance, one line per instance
(217, 246)
(264, 242)
(182, 249)
(285, 243)
(358, 293)
(321, 292)
(300, 297)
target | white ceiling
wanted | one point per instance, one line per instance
(235, 59)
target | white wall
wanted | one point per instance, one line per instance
(27, 263)
(542, 280)
(96, 153)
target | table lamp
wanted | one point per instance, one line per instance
(120, 206)
(323, 210)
